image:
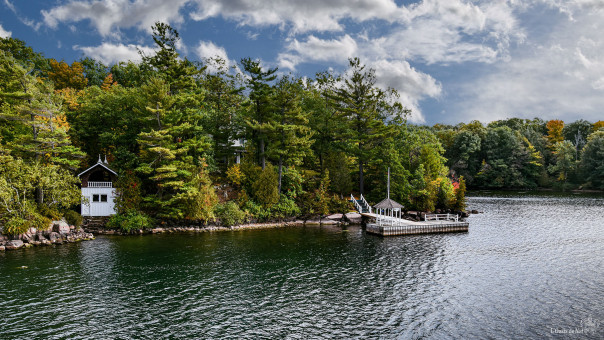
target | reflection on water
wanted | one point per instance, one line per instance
(527, 266)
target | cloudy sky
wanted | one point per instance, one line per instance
(451, 60)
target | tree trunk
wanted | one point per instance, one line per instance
(361, 184)
(262, 156)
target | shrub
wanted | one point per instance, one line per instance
(128, 192)
(229, 214)
(286, 207)
(460, 195)
(256, 210)
(341, 206)
(73, 218)
(265, 187)
(129, 221)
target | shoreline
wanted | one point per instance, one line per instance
(216, 228)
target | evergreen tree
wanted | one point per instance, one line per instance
(260, 110)
(365, 108)
(289, 128)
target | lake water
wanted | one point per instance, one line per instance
(530, 267)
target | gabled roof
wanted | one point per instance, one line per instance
(388, 204)
(99, 163)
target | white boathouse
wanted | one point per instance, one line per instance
(98, 193)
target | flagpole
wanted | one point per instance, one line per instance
(388, 182)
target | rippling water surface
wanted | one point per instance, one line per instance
(528, 266)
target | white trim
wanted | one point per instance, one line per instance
(92, 167)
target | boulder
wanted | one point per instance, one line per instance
(2, 248)
(14, 244)
(55, 237)
(335, 217)
(474, 211)
(326, 221)
(60, 227)
(354, 217)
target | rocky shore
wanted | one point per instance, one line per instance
(96, 226)
(58, 232)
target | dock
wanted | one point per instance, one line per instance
(388, 220)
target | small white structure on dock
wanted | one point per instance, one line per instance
(98, 193)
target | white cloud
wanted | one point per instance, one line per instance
(315, 49)
(303, 16)
(560, 77)
(110, 15)
(208, 51)
(4, 33)
(411, 84)
(112, 53)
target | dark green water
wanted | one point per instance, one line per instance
(529, 265)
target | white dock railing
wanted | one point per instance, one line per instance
(100, 184)
(443, 217)
(384, 220)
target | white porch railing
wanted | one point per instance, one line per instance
(100, 184)
(439, 217)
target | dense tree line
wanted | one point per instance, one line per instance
(169, 126)
(523, 153)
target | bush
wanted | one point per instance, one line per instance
(340, 206)
(130, 221)
(286, 207)
(256, 210)
(229, 214)
(73, 218)
(265, 187)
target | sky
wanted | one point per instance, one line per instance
(450, 60)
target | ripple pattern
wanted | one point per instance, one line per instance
(527, 266)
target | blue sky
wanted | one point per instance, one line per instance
(450, 60)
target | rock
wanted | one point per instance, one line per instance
(157, 230)
(14, 244)
(328, 222)
(474, 211)
(2, 248)
(54, 237)
(354, 217)
(60, 227)
(32, 231)
(335, 217)
(40, 236)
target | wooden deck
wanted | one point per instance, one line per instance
(412, 228)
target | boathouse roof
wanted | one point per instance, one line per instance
(387, 203)
(101, 164)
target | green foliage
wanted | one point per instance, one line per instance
(256, 210)
(286, 207)
(73, 218)
(460, 195)
(32, 192)
(264, 187)
(592, 160)
(229, 214)
(565, 161)
(199, 198)
(130, 221)
(445, 197)
(292, 183)
(128, 192)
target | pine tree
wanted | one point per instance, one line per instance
(260, 109)
(365, 107)
(289, 130)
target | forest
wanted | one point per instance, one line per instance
(174, 129)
